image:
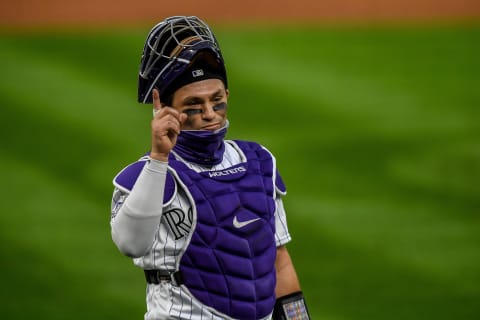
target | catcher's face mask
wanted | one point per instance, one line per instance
(169, 49)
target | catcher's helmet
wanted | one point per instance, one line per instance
(170, 48)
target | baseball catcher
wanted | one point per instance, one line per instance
(201, 215)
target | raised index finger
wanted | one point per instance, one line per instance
(157, 105)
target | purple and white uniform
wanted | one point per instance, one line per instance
(165, 219)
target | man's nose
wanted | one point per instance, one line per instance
(208, 112)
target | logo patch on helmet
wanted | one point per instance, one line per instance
(197, 73)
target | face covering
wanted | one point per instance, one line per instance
(202, 147)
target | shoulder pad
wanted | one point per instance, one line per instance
(247, 145)
(125, 180)
(253, 146)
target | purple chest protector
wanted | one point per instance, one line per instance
(229, 261)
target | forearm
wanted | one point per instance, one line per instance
(287, 280)
(135, 224)
(288, 293)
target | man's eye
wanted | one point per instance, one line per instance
(191, 112)
(220, 106)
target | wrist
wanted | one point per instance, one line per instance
(160, 156)
(290, 307)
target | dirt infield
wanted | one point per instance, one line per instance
(35, 13)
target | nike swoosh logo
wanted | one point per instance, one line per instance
(240, 224)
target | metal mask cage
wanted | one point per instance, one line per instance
(169, 49)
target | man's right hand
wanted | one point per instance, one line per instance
(166, 126)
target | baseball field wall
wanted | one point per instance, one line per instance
(35, 13)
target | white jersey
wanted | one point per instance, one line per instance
(167, 301)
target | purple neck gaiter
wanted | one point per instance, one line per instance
(202, 147)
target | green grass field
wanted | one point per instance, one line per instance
(376, 132)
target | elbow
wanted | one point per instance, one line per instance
(130, 247)
(132, 252)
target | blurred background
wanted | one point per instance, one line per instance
(371, 108)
